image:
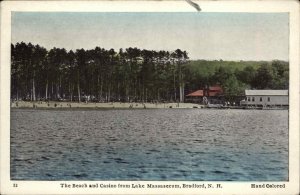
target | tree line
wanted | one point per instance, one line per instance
(130, 74)
(97, 74)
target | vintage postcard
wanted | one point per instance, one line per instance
(149, 97)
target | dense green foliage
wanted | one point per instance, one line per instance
(235, 77)
(131, 74)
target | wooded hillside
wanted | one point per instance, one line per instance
(131, 74)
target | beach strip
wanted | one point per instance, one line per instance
(109, 105)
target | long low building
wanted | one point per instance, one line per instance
(266, 98)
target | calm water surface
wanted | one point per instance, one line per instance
(158, 144)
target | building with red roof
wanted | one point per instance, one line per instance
(213, 93)
(198, 93)
(215, 90)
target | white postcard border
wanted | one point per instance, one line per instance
(54, 187)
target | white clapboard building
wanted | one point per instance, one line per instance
(266, 98)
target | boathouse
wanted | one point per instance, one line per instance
(266, 98)
(214, 94)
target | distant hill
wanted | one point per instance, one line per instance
(205, 67)
(236, 76)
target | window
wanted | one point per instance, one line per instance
(269, 99)
(260, 99)
(253, 99)
(249, 99)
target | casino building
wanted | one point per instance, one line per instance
(266, 98)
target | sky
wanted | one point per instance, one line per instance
(211, 36)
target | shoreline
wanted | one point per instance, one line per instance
(124, 105)
(94, 105)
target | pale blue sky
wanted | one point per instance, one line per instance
(227, 36)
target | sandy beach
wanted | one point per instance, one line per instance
(109, 105)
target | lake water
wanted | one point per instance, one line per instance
(156, 144)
